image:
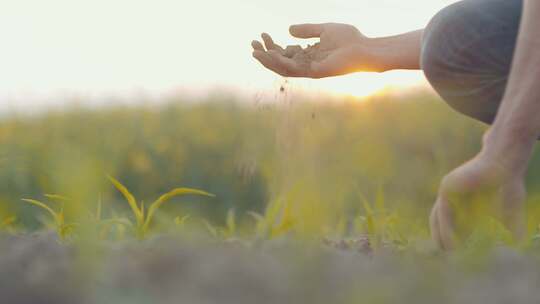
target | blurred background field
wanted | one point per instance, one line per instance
(324, 157)
(317, 200)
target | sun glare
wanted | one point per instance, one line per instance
(366, 84)
(120, 46)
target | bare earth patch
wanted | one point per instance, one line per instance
(39, 269)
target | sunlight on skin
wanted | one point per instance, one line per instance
(365, 84)
(116, 46)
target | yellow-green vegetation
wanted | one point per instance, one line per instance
(337, 169)
(57, 217)
(302, 201)
(143, 218)
(8, 222)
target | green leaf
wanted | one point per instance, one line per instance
(167, 196)
(231, 222)
(42, 205)
(283, 228)
(370, 216)
(57, 198)
(272, 211)
(129, 197)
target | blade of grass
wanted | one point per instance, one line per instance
(231, 222)
(167, 196)
(43, 206)
(370, 218)
(129, 197)
(57, 198)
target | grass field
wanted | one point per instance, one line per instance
(290, 200)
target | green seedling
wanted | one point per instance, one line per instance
(277, 220)
(105, 226)
(378, 223)
(58, 217)
(143, 218)
(227, 232)
(230, 228)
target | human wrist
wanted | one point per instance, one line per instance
(395, 52)
(376, 53)
(511, 148)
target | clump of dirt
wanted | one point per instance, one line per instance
(292, 50)
(296, 51)
(304, 55)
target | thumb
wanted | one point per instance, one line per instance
(307, 30)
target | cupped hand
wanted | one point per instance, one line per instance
(341, 50)
(477, 188)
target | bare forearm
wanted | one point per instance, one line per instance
(397, 52)
(517, 125)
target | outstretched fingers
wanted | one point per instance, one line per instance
(268, 61)
(273, 57)
(257, 46)
(270, 44)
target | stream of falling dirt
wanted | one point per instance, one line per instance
(287, 141)
(278, 105)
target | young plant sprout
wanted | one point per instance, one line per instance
(58, 216)
(227, 232)
(276, 221)
(143, 217)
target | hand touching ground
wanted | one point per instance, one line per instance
(342, 49)
(479, 188)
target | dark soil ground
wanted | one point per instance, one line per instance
(39, 269)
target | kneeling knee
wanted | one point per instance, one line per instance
(438, 43)
(449, 66)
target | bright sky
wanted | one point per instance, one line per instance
(125, 46)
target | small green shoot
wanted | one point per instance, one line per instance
(227, 232)
(378, 223)
(58, 217)
(143, 219)
(277, 220)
